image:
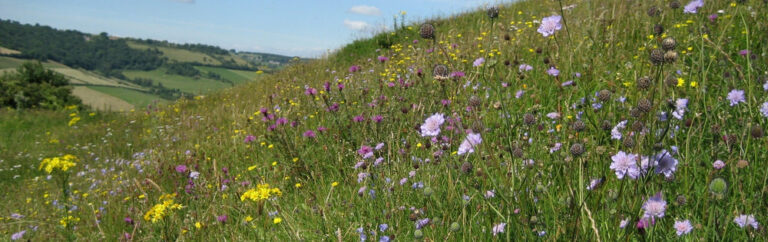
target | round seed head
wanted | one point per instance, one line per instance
(606, 125)
(577, 149)
(529, 119)
(517, 152)
(638, 126)
(427, 31)
(668, 43)
(671, 81)
(657, 57)
(604, 95)
(757, 132)
(635, 112)
(455, 226)
(474, 101)
(418, 234)
(653, 11)
(493, 12)
(578, 126)
(658, 29)
(467, 167)
(674, 4)
(629, 142)
(644, 83)
(680, 200)
(718, 187)
(644, 105)
(670, 56)
(441, 72)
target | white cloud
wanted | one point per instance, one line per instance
(365, 10)
(355, 25)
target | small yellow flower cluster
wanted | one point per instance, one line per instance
(68, 220)
(262, 192)
(157, 212)
(62, 163)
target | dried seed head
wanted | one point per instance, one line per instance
(441, 72)
(427, 31)
(638, 126)
(529, 119)
(475, 101)
(604, 95)
(671, 81)
(658, 29)
(674, 4)
(668, 43)
(670, 56)
(493, 12)
(680, 200)
(644, 105)
(629, 142)
(757, 131)
(644, 83)
(578, 126)
(577, 149)
(606, 125)
(467, 167)
(653, 11)
(635, 112)
(517, 152)
(657, 57)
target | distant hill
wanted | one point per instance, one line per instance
(129, 71)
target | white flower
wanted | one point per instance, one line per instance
(431, 126)
(764, 109)
(746, 220)
(194, 175)
(680, 106)
(468, 145)
(683, 227)
(616, 131)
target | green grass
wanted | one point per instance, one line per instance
(236, 76)
(183, 83)
(136, 98)
(12, 63)
(179, 55)
(514, 176)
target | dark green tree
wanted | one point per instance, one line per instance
(33, 86)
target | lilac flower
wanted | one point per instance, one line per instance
(616, 131)
(431, 126)
(421, 223)
(403, 181)
(553, 72)
(693, 6)
(478, 62)
(445, 102)
(764, 109)
(457, 74)
(16, 216)
(468, 145)
(417, 185)
(680, 105)
(549, 25)
(181, 168)
(361, 176)
(683, 227)
(594, 183)
(362, 190)
(385, 238)
(490, 194)
(736, 97)
(567, 83)
(525, 67)
(746, 220)
(553, 115)
(383, 227)
(18, 235)
(718, 164)
(644, 223)
(498, 228)
(765, 86)
(365, 151)
(625, 164)
(744, 52)
(663, 163)
(379, 146)
(712, 17)
(557, 147)
(519, 94)
(623, 223)
(654, 207)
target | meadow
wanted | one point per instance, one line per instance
(588, 120)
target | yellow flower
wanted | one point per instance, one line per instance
(261, 193)
(62, 163)
(694, 83)
(298, 185)
(157, 212)
(418, 145)
(334, 184)
(680, 82)
(68, 220)
(74, 120)
(248, 219)
(198, 225)
(277, 220)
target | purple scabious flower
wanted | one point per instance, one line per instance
(553, 71)
(361, 176)
(746, 220)
(469, 143)
(616, 131)
(383, 227)
(665, 163)
(478, 62)
(556, 147)
(498, 228)
(519, 94)
(680, 105)
(683, 227)
(431, 126)
(18, 235)
(693, 6)
(764, 109)
(736, 97)
(549, 25)
(654, 207)
(525, 67)
(594, 183)
(625, 165)
(718, 164)
(421, 223)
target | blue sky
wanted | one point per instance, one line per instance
(306, 28)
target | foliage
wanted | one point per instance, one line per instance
(33, 86)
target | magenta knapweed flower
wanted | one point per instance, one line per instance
(354, 68)
(310, 91)
(625, 165)
(222, 218)
(431, 126)
(358, 118)
(549, 25)
(736, 97)
(712, 17)
(309, 134)
(457, 74)
(181, 168)
(693, 6)
(377, 118)
(383, 59)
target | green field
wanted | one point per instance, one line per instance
(183, 83)
(11, 63)
(136, 98)
(236, 76)
(179, 55)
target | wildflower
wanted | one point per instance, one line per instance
(198, 225)
(421, 223)
(594, 183)
(693, 6)
(354, 68)
(549, 25)
(261, 193)
(498, 228)
(222, 218)
(469, 143)
(384, 238)
(383, 59)
(383, 227)
(736, 97)
(62, 163)
(358, 118)
(334, 184)
(665, 164)
(623, 223)
(683, 227)
(309, 134)
(181, 168)
(490, 194)
(746, 220)
(18, 235)
(277, 220)
(616, 131)
(361, 176)
(680, 106)
(764, 109)
(556, 147)
(519, 94)
(525, 67)
(377, 118)
(157, 212)
(553, 71)
(431, 126)
(718, 164)
(654, 207)
(478, 62)
(625, 164)
(365, 151)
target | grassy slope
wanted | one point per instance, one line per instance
(179, 55)
(135, 98)
(236, 76)
(186, 84)
(606, 42)
(105, 100)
